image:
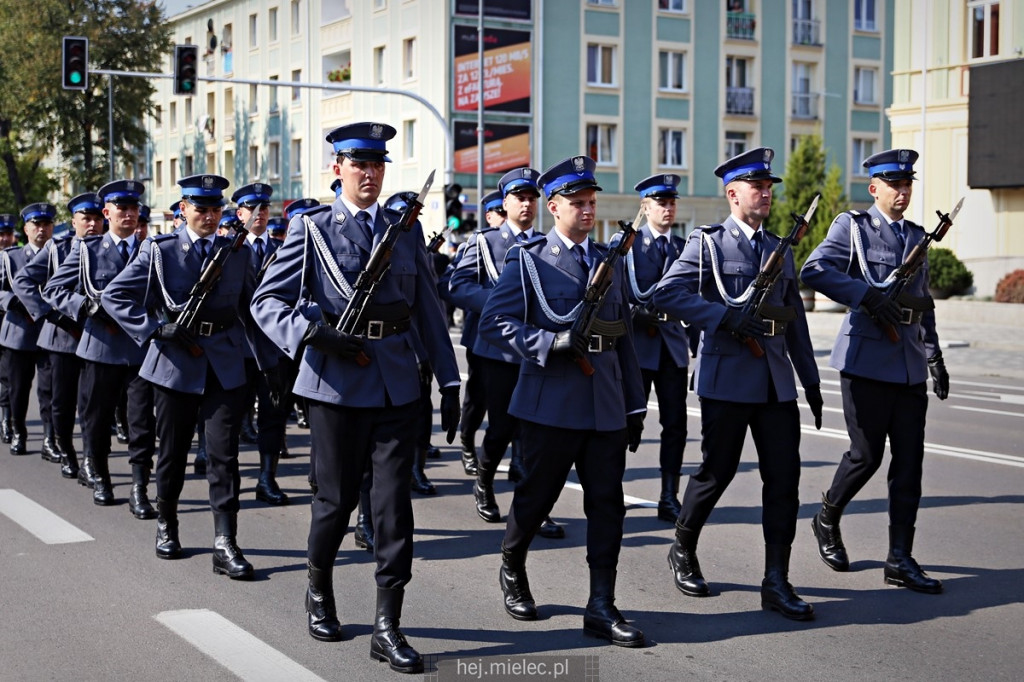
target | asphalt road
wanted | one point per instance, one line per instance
(83, 597)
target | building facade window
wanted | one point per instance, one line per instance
(739, 99)
(983, 39)
(190, 167)
(272, 24)
(672, 5)
(672, 148)
(296, 18)
(409, 139)
(158, 175)
(274, 158)
(378, 65)
(805, 102)
(862, 149)
(254, 162)
(409, 58)
(254, 39)
(173, 116)
(601, 65)
(864, 85)
(253, 102)
(173, 167)
(295, 157)
(735, 143)
(864, 15)
(296, 92)
(601, 143)
(158, 118)
(672, 71)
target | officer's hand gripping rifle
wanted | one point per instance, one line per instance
(915, 259)
(600, 284)
(378, 265)
(436, 240)
(208, 279)
(766, 279)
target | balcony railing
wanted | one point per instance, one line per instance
(739, 101)
(740, 25)
(805, 105)
(806, 32)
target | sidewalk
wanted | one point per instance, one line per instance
(978, 338)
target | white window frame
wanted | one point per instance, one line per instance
(598, 56)
(860, 92)
(605, 144)
(409, 139)
(254, 162)
(296, 92)
(860, 149)
(254, 37)
(986, 27)
(296, 18)
(295, 157)
(274, 158)
(666, 143)
(673, 6)
(379, 64)
(734, 144)
(671, 63)
(272, 24)
(409, 58)
(863, 23)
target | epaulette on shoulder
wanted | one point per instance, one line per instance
(92, 238)
(63, 237)
(485, 230)
(534, 241)
(708, 228)
(12, 248)
(164, 237)
(857, 214)
(317, 209)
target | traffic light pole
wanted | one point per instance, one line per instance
(449, 142)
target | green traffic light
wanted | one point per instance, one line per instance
(453, 223)
(75, 77)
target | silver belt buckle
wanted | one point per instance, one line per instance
(375, 329)
(205, 329)
(596, 343)
(771, 328)
(906, 316)
(662, 317)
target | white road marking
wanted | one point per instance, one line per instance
(232, 647)
(38, 520)
(982, 409)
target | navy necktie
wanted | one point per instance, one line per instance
(204, 248)
(898, 231)
(755, 243)
(259, 249)
(577, 253)
(123, 248)
(363, 218)
(662, 243)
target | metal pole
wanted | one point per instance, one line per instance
(110, 123)
(449, 140)
(480, 109)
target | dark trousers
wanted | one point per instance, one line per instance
(65, 369)
(548, 455)
(425, 421)
(176, 416)
(499, 381)
(473, 398)
(22, 367)
(775, 427)
(874, 410)
(271, 421)
(5, 392)
(100, 384)
(347, 441)
(141, 421)
(669, 383)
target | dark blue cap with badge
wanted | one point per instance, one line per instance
(41, 211)
(121, 192)
(755, 164)
(661, 185)
(519, 180)
(492, 201)
(277, 225)
(336, 187)
(89, 202)
(892, 164)
(252, 195)
(204, 190)
(144, 212)
(300, 206)
(230, 221)
(570, 176)
(176, 208)
(362, 141)
(8, 222)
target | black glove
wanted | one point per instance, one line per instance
(634, 430)
(327, 339)
(172, 331)
(16, 304)
(814, 400)
(570, 342)
(92, 308)
(277, 384)
(882, 308)
(451, 410)
(643, 317)
(940, 377)
(741, 324)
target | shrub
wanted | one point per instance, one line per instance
(1011, 288)
(947, 273)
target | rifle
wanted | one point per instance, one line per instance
(769, 275)
(915, 259)
(208, 279)
(600, 284)
(436, 240)
(378, 265)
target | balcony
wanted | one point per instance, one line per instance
(805, 105)
(806, 32)
(740, 25)
(739, 101)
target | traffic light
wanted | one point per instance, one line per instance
(453, 206)
(186, 60)
(75, 63)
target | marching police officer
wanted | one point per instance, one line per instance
(883, 380)
(178, 220)
(19, 333)
(7, 222)
(567, 417)
(661, 343)
(197, 364)
(737, 389)
(363, 388)
(471, 284)
(277, 228)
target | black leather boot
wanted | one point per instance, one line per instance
(515, 587)
(682, 558)
(776, 592)
(900, 567)
(668, 503)
(138, 500)
(50, 451)
(167, 544)
(363, 535)
(550, 529)
(6, 432)
(469, 461)
(433, 452)
(483, 495)
(323, 613)
(69, 457)
(87, 475)
(516, 472)
(121, 422)
(602, 619)
(284, 454)
(199, 465)
(102, 488)
(420, 483)
(825, 526)
(227, 557)
(388, 643)
(248, 433)
(19, 438)
(267, 489)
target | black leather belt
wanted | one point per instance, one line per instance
(210, 327)
(599, 343)
(378, 329)
(775, 327)
(909, 316)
